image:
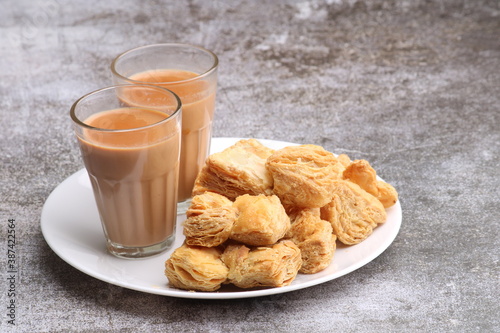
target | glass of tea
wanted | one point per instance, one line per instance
(129, 138)
(191, 73)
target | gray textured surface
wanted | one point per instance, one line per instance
(411, 86)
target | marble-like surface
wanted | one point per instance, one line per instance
(411, 86)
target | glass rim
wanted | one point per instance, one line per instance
(197, 77)
(81, 123)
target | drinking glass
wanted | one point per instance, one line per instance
(190, 72)
(129, 138)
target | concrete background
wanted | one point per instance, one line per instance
(411, 86)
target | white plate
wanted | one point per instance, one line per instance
(71, 226)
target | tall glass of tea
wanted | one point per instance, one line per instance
(129, 138)
(191, 73)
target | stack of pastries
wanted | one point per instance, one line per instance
(260, 216)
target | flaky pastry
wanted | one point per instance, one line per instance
(212, 228)
(303, 175)
(353, 212)
(206, 201)
(261, 220)
(362, 173)
(344, 159)
(196, 268)
(210, 219)
(272, 266)
(295, 212)
(237, 170)
(315, 239)
(259, 216)
(387, 194)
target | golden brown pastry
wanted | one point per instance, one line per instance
(353, 212)
(212, 228)
(210, 218)
(208, 200)
(261, 220)
(344, 159)
(237, 170)
(362, 173)
(196, 268)
(273, 266)
(315, 239)
(295, 212)
(303, 175)
(387, 194)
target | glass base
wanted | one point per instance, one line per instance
(183, 206)
(139, 252)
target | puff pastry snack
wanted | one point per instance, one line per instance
(362, 173)
(271, 266)
(296, 212)
(259, 217)
(210, 219)
(303, 175)
(237, 170)
(315, 239)
(353, 212)
(261, 220)
(387, 194)
(196, 268)
(206, 201)
(344, 159)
